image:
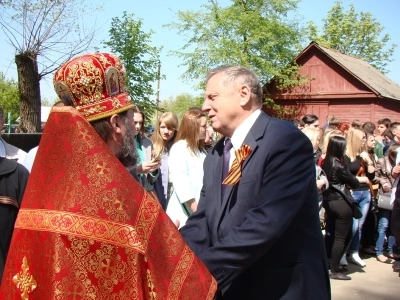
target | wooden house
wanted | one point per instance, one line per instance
(341, 85)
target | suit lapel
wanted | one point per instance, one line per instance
(250, 141)
(256, 132)
(216, 164)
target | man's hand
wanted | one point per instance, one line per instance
(148, 167)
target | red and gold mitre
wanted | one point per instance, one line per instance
(88, 230)
(94, 84)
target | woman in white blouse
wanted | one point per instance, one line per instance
(186, 166)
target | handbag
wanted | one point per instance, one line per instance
(344, 192)
(384, 198)
(384, 201)
(183, 205)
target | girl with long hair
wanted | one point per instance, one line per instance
(383, 175)
(339, 212)
(370, 224)
(186, 166)
(359, 164)
(163, 139)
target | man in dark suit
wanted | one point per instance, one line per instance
(260, 237)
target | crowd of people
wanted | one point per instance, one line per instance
(250, 196)
(357, 168)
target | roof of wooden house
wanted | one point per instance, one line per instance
(378, 82)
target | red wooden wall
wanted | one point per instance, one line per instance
(334, 90)
(366, 110)
(327, 78)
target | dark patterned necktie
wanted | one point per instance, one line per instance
(225, 165)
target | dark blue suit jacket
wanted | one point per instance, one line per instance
(263, 240)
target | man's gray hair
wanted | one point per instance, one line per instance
(241, 75)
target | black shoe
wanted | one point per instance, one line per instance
(343, 268)
(339, 276)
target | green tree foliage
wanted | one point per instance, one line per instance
(181, 103)
(9, 98)
(358, 34)
(262, 35)
(141, 60)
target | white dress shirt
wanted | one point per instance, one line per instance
(241, 132)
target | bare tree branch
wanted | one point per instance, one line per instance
(7, 31)
(44, 33)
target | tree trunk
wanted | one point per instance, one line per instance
(29, 90)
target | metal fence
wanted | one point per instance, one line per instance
(10, 128)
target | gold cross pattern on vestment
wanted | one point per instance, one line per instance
(24, 280)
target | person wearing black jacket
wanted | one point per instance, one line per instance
(339, 211)
(13, 180)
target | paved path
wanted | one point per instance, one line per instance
(376, 281)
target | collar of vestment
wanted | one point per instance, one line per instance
(7, 166)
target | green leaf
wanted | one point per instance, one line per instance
(357, 34)
(141, 60)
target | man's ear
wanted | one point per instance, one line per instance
(116, 123)
(245, 95)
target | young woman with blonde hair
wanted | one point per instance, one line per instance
(163, 138)
(186, 166)
(359, 164)
(165, 133)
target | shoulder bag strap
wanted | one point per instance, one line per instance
(185, 209)
(388, 169)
